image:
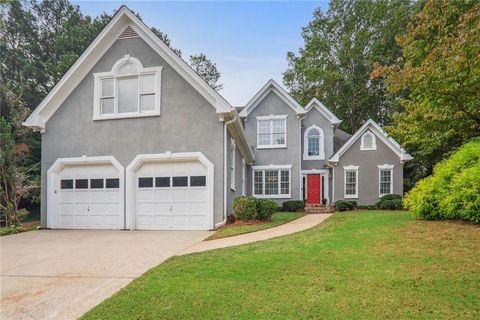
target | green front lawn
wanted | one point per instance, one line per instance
(278, 218)
(368, 264)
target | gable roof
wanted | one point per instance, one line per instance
(122, 20)
(270, 86)
(314, 103)
(381, 134)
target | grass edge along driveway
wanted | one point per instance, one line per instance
(368, 264)
(278, 218)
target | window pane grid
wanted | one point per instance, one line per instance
(271, 182)
(350, 182)
(271, 132)
(385, 181)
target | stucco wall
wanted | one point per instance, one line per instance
(274, 105)
(231, 194)
(314, 117)
(188, 123)
(368, 161)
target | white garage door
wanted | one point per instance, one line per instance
(90, 197)
(172, 195)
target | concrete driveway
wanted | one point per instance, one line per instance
(61, 274)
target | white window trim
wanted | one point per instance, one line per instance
(270, 118)
(385, 167)
(244, 178)
(272, 168)
(98, 77)
(374, 141)
(233, 148)
(346, 169)
(321, 155)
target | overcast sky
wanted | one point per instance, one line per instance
(247, 40)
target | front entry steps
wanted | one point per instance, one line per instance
(319, 208)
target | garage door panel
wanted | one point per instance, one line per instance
(180, 201)
(86, 200)
(145, 195)
(162, 195)
(179, 194)
(198, 194)
(198, 208)
(145, 208)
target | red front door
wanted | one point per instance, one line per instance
(313, 189)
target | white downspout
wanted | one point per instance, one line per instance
(225, 154)
(300, 182)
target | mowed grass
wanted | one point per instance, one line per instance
(359, 265)
(278, 218)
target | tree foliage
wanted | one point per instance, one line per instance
(453, 191)
(339, 52)
(206, 69)
(16, 181)
(440, 71)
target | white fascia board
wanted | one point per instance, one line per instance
(381, 134)
(323, 110)
(77, 72)
(271, 85)
(272, 166)
(238, 133)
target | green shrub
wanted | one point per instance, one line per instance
(265, 209)
(245, 208)
(453, 190)
(367, 207)
(390, 202)
(293, 205)
(345, 205)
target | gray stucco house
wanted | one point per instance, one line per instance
(133, 138)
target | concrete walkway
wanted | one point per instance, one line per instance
(300, 224)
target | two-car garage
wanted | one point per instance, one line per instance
(169, 191)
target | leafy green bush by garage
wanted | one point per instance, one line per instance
(293, 205)
(245, 208)
(345, 205)
(453, 190)
(390, 202)
(251, 208)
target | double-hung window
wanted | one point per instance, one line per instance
(128, 90)
(351, 181)
(272, 131)
(385, 179)
(272, 181)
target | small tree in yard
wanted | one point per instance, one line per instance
(15, 181)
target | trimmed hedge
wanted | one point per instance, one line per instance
(345, 205)
(245, 208)
(265, 209)
(390, 202)
(293, 205)
(251, 208)
(453, 190)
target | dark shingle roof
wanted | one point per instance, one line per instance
(340, 138)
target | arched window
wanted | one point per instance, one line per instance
(128, 90)
(313, 144)
(368, 141)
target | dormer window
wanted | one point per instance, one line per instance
(368, 141)
(313, 144)
(129, 90)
